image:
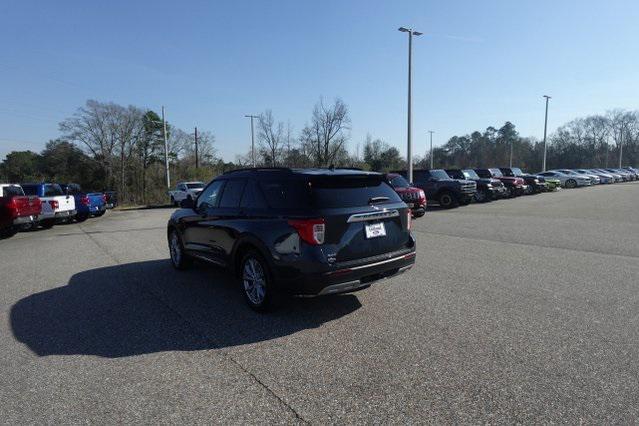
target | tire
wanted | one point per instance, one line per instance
(481, 196)
(510, 192)
(256, 282)
(100, 214)
(175, 203)
(419, 214)
(8, 232)
(48, 223)
(447, 200)
(571, 183)
(81, 217)
(179, 259)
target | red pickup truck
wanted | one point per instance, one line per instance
(16, 209)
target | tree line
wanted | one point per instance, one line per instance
(106, 146)
(588, 142)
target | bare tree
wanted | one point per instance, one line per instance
(326, 135)
(95, 127)
(271, 136)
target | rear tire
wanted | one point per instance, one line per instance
(100, 214)
(81, 217)
(571, 183)
(256, 282)
(8, 232)
(447, 200)
(48, 223)
(179, 259)
(481, 196)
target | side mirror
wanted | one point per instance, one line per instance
(187, 203)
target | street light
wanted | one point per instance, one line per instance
(252, 137)
(409, 150)
(543, 166)
(431, 148)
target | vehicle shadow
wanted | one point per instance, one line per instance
(147, 307)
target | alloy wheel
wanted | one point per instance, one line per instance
(176, 249)
(254, 280)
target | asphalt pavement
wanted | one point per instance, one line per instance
(523, 310)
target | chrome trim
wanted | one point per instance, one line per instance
(364, 217)
(392, 259)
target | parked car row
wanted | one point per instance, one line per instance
(33, 205)
(454, 187)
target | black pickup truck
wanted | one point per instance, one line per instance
(439, 187)
(487, 189)
(535, 183)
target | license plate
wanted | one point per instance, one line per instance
(410, 205)
(375, 230)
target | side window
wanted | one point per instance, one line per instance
(30, 189)
(253, 198)
(232, 193)
(181, 187)
(210, 196)
(419, 176)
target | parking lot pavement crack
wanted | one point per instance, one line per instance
(194, 330)
(526, 244)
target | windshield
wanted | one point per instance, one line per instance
(517, 171)
(439, 174)
(399, 182)
(470, 174)
(198, 185)
(496, 172)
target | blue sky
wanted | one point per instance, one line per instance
(210, 63)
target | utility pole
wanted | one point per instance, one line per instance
(431, 148)
(511, 154)
(197, 158)
(252, 137)
(620, 145)
(409, 150)
(545, 128)
(166, 151)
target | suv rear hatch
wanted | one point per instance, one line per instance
(362, 214)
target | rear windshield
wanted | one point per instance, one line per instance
(328, 192)
(30, 189)
(12, 191)
(517, 171)
(195, 185)
(52, 190)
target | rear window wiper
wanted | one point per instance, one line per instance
(374, 200)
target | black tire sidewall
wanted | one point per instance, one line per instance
(442, 199)
(185, 260)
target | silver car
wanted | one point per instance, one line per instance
(572, 180)
(617, 177)
(594, 179)
(603, 176)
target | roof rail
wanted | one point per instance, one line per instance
(260, 169)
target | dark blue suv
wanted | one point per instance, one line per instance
(296, 231)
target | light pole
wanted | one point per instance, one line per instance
(511, 154)
(543, 166)
(431, 148)
(166, 151)
(621, 144)
(409, 150)
(252, 137)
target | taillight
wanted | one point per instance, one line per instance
(311, 231)
(13, 208)
(104, 198)
(422, 195)
(85, 201)
(54, 204)
(409, 218)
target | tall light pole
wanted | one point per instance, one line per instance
(621, 144)
(431, 148)
(543, 166)
(252, 137)
(409, 150)
(166, 151)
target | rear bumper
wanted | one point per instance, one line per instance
(25, 220)
(67, 214)
(342, 280)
